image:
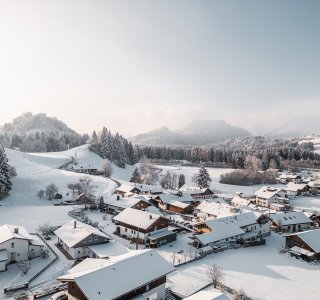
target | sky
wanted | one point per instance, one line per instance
(133, 65)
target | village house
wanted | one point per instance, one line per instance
(296, 189)
(85, 170)
(305, 244)
(16, 244)
(116, 203)
(290, 221)
(172, 203)
(212, 210)
(139, 189)
(314, 186)
(197, 193)
(75, 237)
(143, 227)
(265, 196)
(240, 200)
(291, 177)
(248, 226)
(137, 273)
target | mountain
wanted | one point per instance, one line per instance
(39, 133)
(28, 123)
(304, 125)
(202, 132)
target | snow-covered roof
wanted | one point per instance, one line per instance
(3, 255)
(237, 200)
(8, 232)
(173, 200)
(74, 232)
(290, 218)
(311, 237)
(145, 188)
(123, 202)
(190, 189)
(221, 229)
(214, 209)
(295, 187)
(137, 218)
(267, 192)
(208, 295)
(112, 248)
(289, 176)
(121, 271)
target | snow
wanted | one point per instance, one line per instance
(306, 203)
(208, 295)
(290, 218)
(7, 232)
(137, 218)
(261, 271)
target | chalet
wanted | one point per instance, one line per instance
(140, 226)
(16, 244)
(115, 204)
(172, 203)
(314, 186)
(296, 189)
(240, 200)
(212, 210)
(305, 244)
(75, 237)
(196, 192)
(85, 170)
(291, 177)
(290, 221)
(140, 189)
(121, 277)
(247, 226)
(267, 195)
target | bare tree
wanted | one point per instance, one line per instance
(51, 189)
(215, 274)
(239, 295)
(41, 194)
(107, 167)
(74, 187)
(86, 187)
(24, 266)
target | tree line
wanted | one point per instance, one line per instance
(271, 153)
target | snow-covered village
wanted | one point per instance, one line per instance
(159, 150)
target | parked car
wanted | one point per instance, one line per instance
(47, 237)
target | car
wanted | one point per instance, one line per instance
(47, 236)
(180, 251)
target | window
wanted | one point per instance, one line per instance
(90, 239)
(12, 245)
(126, 229)
(84, 241)
(95, 237)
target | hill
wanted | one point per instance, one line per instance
(202, 132)
(39, 133)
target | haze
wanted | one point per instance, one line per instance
(138, 65)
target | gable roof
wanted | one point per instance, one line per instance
(172, 200)
(121, 271)
(208, 295)
(138, 218)
(295, 187)
(311, 238)
(123, 202)
(290, 218)
(7, 232)
(267, 192)
(72, 235)
(215, 209)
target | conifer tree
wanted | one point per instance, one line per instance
(5, 181)
(136, 176)
(203, 177)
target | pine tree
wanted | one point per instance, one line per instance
(5, 181)
(182, 180)
(136, 176)
(203, 177)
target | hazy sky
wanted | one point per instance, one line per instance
(138, 65)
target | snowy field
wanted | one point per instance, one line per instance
(261, 271)
(37, 170)
(215, 174)
(306, 203)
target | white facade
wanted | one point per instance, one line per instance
(17, 249)
(132, 233)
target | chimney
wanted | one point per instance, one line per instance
(150, 217)
(16, 230)
(118, 197)
(75, 224)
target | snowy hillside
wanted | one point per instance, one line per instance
(37, 170)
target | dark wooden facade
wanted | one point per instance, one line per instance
(75, 291)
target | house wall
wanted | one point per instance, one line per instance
(18, 252)
(158, 293)
(3, 265)
(75, 291)
(295, 240)
(37, 250)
